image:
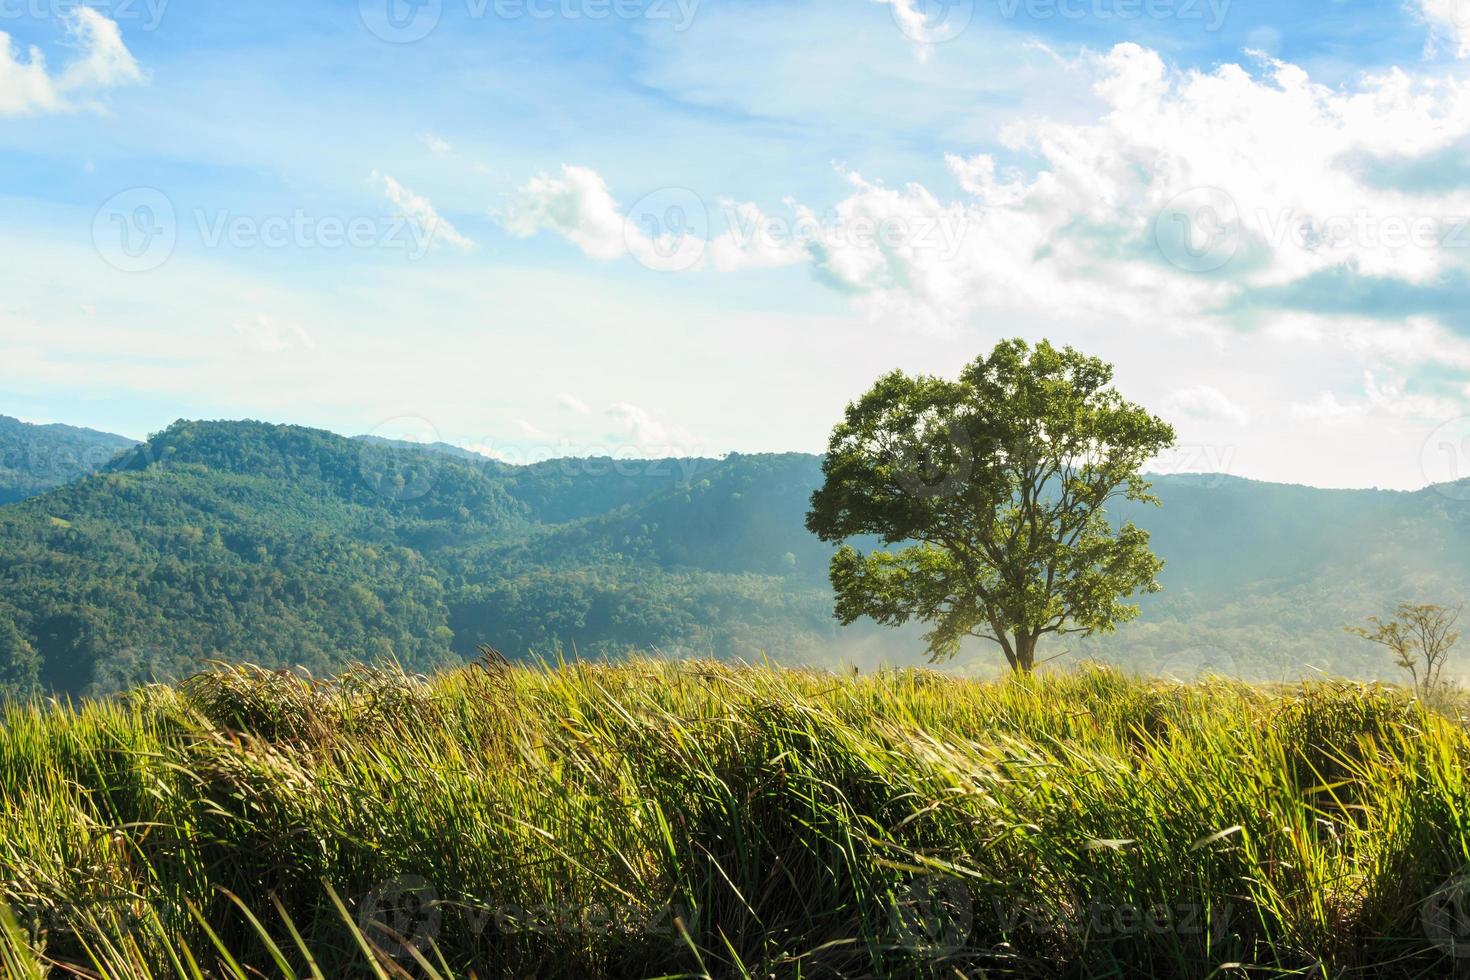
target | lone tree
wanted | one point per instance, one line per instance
(1420, 637)
(995, 485)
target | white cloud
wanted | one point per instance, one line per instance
(926, 31)
(1066, 231)
(1190, 202)
(1273, 166)
(754, 240)
(1325, 408)
(491, 451)
(1381, 400)
(1206, 404)
(635, 429)
(573, 403)
(1418, 340)
(419, 210)
(27, 87)
(268, 335)
(578, 206)
(620, 429)
(636, 423)
(530, 429)
(1413, 342)
(106, 61)
(438, 146)
(1448, 20)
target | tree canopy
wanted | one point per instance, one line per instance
(996, 485)
(36, 458)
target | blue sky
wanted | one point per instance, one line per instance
(540, 227)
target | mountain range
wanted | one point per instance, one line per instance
(35, 458)
(284, 546)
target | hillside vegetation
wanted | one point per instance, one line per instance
(282, 545)
(291, 546)
(696, 820)
(36, 458)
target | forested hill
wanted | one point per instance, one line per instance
(284, 545)
(36, 458)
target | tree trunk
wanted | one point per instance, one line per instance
(1025, 652)
(1005, 644)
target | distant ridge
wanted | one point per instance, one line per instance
(35, 458)
(448, 449)
(288, 545)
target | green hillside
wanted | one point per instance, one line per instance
(284, 545)
(1262, 577)
(36, 458)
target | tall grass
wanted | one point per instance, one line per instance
(657, 819)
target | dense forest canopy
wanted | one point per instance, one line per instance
(35, 458)
(285, 545)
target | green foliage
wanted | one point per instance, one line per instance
(289, 546)
(998, 484)
(689, 819)
(278, 545)
(19, 664)
(560, 491)
(35, 458)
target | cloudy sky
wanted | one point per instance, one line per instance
(545, 227)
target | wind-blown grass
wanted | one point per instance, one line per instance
(694, 819)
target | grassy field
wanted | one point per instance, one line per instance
(697, 820)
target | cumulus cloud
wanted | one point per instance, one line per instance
(1206, 404)
(105, 60)
(637, 423)
(1193, 196)
(419, 210)
(578, 206)
(28, 87)
(875, 239)
(1247, 204)
(1194, 200)
(635, 429)
(1380, 399)
(1449, 21)
(1412, 342)
(755, 240)
(573, 403)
